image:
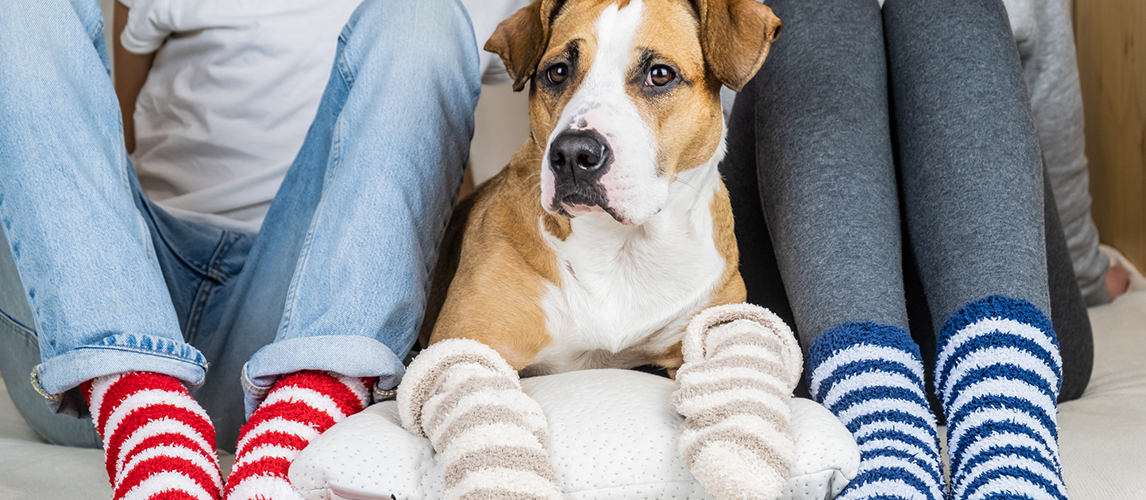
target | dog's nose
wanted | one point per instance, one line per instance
(580, 155)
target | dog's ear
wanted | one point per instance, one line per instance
(521, 39)
(735, 36)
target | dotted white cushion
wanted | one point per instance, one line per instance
(612, 435)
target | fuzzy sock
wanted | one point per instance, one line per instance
(158, 442)
(870, 376)
(298, 408)
(998, 373)
(741, 363)
(490, 435)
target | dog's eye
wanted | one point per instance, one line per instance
(659, 76)
(558, 73)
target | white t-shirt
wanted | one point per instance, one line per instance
(229, 99)
(232, 92)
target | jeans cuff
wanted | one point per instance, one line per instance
(58, 378)
(348, 355)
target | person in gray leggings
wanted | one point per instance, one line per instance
(880, 139)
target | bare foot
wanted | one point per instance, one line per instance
(1117, 281)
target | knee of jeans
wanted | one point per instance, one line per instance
(45, 25)
(435, 33)
(47, 14)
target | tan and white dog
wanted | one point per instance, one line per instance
(610, 228)
(607, 233)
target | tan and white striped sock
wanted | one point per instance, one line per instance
(741, 363)
(491, 436)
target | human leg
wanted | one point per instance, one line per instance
(81, 254)
(337, 278)
(972, 182)
(758, 267)
(19, 355)
(1068, 312)
(828, 186)
(82, 250)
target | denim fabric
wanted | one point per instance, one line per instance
(336, 279)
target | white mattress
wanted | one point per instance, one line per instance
(1102, 435)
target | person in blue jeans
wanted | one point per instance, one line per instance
(117, 308)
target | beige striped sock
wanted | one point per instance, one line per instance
(491, 436)
(741, 363)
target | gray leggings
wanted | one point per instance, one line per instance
(890, 154)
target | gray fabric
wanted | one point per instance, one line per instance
(971, 174)
(766, 285)
(967, 153)
(824, 161)
(825, 169)
(1042, 30)
(1068, 311)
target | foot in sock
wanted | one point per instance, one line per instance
(871, 376)
(298, 408)
(998, 373)
(159, 444)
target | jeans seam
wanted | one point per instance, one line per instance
(19, 327)
(194, 265)
(198, 306)
(304, 254)
(342, 63)
(215, 277)
(213, 269)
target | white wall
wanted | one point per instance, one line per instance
(501, 123)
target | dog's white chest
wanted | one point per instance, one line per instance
(627, 293)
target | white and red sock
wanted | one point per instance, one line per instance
(159, 444)
(297, 409)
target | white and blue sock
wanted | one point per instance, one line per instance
(998, 373)
(870, 376)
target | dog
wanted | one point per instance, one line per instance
(611, 227)
(606, 237)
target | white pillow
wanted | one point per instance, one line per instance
(612, 435)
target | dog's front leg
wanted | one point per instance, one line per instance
(741, 363)
(491, 436)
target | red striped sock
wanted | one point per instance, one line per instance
(298, 408)
(158, 442)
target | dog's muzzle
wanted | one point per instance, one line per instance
(579, 157)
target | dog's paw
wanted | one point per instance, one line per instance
(490, 435)
(741, 364)
(741, 466)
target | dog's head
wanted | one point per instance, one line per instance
(626, 93)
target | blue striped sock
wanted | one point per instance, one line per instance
(870, 376)
(998, 373)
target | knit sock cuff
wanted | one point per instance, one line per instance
(852, 348)
(1015, 324)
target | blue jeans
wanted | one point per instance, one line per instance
(101, 281)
